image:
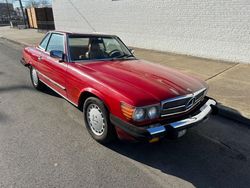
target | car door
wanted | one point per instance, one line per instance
(54, 71)
(37, 54)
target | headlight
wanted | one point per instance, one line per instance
(139, 114)
(152, 112)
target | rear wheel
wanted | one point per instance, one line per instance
(35, 79)
(96, 117)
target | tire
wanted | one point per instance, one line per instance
(96, 118)
(35, 79)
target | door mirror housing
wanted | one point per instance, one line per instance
(58, 55)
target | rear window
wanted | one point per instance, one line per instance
(78, 41)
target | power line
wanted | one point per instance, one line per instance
(72, 4)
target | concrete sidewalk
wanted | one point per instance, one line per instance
(229, 82)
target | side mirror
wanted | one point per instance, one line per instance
(132, 50)
(57, 54)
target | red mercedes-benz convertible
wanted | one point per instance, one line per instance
(119, 94)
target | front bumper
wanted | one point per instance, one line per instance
(163, 128)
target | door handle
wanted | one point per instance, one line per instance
(40, 58)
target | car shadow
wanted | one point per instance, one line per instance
(15, 88)
(193, 158)
(3, 117)
(49, 91)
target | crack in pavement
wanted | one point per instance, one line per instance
(221, 72)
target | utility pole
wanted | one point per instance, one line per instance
(21, 6)
(8, 10)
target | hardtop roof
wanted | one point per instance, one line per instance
(84, 34)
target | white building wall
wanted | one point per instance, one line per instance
(218, 29)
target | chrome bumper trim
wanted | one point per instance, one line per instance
(206, 109)
(156, 130)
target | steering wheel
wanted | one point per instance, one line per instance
(114, 53)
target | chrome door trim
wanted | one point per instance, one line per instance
(60, 94)
(52, 81)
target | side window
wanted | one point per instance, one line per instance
(56, 42)
(78, 47)
(44, 42)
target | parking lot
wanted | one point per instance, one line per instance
(43, 143)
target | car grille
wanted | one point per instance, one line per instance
(181, 104)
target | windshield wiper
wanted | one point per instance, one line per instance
(124, 56)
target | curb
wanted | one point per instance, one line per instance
(223, 111)
(16, 42)
(232, 114)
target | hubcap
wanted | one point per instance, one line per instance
(34, 77)
(95, 119)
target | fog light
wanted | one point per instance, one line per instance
(156, 139)
(181, 133)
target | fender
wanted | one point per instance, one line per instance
(94, 92)
(26, 60)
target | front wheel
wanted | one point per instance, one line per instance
(96, 117)
(35, 79)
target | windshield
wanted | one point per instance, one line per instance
(96, 47)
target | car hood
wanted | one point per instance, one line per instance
(144, 79)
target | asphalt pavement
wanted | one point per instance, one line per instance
(43, 143)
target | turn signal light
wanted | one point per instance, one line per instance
(127, 110)
(156, 139)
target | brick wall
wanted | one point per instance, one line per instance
(218, 29)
